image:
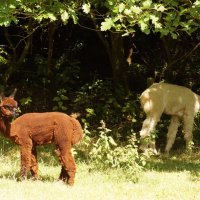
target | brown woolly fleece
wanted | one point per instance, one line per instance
(32, 129)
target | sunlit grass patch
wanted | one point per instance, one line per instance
(102, 185)
(176, 177)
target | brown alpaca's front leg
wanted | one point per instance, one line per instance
(25, 160)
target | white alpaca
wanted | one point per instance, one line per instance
(178, 101)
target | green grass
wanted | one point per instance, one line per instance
(173, 178)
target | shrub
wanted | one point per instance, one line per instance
(97, 101)
(104, 153)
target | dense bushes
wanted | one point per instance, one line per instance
(101, 152)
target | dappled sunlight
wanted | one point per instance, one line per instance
(175, 163)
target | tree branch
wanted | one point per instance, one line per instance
(100, 35)
(185, 56)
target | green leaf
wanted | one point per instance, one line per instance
(86, 8)
(56, 99)
(197, 3)
(160, 8)
(158, 25)
(107, 24)
(112, 141)
(63, 97)
(174, 36)
(65, 17)
(51, 16)
(5, 22)
(147, 4)
(154, 19)
(136, 9)
(90, 112)
(64, 108)
(127, 12)
(121, 7)
(144, 26)
(60, 104)
(12, 6)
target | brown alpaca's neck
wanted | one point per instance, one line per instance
(5, 127)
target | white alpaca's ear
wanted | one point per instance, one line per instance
(13, 94)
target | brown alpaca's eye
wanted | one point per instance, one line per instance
(8, 107)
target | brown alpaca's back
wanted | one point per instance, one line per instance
(48, 127)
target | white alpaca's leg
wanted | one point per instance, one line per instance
(172, 130)
(148, 127)
(188, 121)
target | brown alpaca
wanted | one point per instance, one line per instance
(32, 129)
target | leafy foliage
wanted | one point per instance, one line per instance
(59, 99)
(3, 55)
(12, 11)
(165, 17)
(104, 153)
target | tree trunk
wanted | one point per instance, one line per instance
(51, 31)
(115, 52)
(118, 63)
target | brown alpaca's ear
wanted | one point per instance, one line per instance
(13, 94)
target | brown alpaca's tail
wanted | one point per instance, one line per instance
(77, 133)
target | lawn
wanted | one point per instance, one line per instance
(176, 177)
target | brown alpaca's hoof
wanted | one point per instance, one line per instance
(34, 178)
(70, 182)
(63, 175)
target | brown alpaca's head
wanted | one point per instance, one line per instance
(8, 106)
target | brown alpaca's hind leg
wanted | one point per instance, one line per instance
(64, 175)
(34, 165)
(68, 165)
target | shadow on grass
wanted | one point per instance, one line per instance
(176, 162)
(16, 176)
(45, 154)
